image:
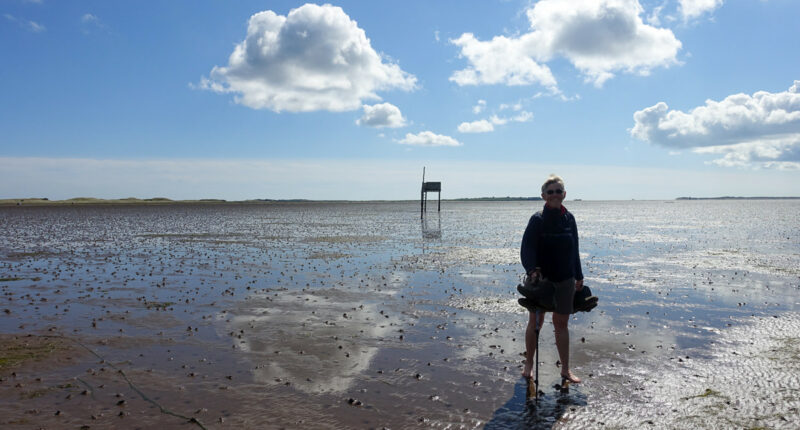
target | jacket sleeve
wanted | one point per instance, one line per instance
(530, 243)
(577, 258)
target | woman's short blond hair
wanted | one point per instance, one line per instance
(553, 179)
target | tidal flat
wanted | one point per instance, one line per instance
(361, 315)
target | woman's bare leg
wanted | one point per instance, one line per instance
(561, 322)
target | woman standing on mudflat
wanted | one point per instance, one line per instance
(552, 263)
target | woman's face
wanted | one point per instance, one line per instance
(554, 194)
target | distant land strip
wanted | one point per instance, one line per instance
(490, 199)
(44, 201)
(737, 198)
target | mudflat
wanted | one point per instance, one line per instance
(359, 315)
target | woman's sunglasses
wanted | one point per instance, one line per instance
(558, 191)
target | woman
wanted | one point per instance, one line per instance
(552, 263)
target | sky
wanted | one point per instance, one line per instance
(349, 100)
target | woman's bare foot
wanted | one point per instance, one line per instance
(571, 377)
(526, 372)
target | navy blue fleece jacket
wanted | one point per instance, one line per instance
(551, 243)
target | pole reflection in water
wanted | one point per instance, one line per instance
(432, 229)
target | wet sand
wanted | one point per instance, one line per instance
(358, 316)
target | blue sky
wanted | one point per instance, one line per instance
(349, 100)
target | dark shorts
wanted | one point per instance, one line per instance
(560, 293)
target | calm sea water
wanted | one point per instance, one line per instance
(361, 314)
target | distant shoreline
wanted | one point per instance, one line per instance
(737, 198)
(156, 201)
(43, 201)
(494, 199)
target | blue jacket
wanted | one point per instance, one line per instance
(551, 243)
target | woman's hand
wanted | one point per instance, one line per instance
(579, 285)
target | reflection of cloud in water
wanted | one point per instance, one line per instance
(595, 335)
(727, 275)
(490, 326)
(607, 337)
(735, 259)
(722, 259)
(316, 341)
(496, 327)
(462, 256)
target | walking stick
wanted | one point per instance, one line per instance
(536, 379)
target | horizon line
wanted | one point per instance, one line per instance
(44, 201)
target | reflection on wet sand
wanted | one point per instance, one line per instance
(432, 228)
(235, 314)
(318, 342)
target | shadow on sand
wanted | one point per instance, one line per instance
(524, 411)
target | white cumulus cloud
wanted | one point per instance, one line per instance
(599, 37)
(523, 116)
(478, 108)
(759, 130)
(480, 126)
(428, 138)
(382, 115)
(691, 9)
(502, 60)
(498, 120)
(314, 58)
(484, 125)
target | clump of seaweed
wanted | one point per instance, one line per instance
(19, 350)
(159, 305)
